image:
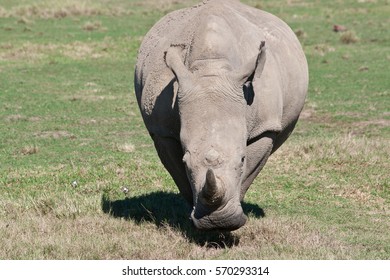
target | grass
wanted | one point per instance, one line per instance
(79, 176)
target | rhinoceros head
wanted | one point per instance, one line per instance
(213, 135)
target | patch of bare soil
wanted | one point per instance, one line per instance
(91, 92)
(91, 98)
(310, 114)
(362, 127)
(55, 134)
(79, 50)
(27, 51)
(307, 113)
(15, 118)
(18, 117)
(377, 122)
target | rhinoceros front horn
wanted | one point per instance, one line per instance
(213, 190)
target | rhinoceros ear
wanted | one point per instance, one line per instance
(173, 59)
(255, 65)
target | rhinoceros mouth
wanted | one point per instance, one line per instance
(228, 218)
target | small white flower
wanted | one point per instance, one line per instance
(125, 190)
(74, 184)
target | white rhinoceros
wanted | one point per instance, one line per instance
(220, 86)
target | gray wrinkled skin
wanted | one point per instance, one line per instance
(220, 87)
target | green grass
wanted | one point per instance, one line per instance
(68, 113)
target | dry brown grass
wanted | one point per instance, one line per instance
(29, 150)
(164, 5)
(60, 228)
(93, 25)
(318, 158)
(296, 235)
(125, 148)
(81, 50)
(34, 52)
(323, 49)
(61, 9)
(27, 52)
(68, 223)
(378, 122)
(15, 118)
(349, 37)
(55, 134)
(19, 117)
(300, 33)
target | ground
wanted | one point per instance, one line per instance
(79, 176)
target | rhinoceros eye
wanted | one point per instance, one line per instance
(242, 160)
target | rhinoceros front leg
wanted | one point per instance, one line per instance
(171, 154)
(257, 153)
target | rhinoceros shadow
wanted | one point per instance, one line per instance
(166, 208)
